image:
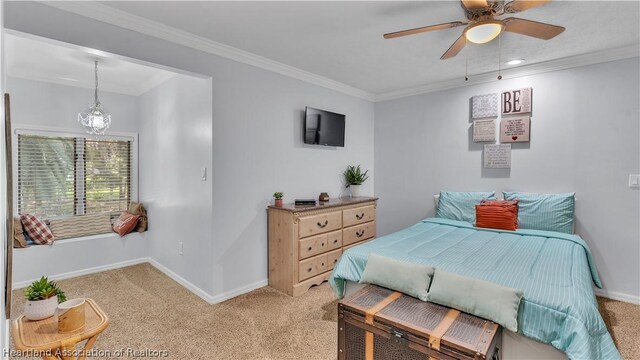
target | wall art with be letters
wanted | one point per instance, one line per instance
(517, 101)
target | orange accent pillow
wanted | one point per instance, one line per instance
(125, 223)
(497, 214)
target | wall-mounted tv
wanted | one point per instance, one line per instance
(323, 127)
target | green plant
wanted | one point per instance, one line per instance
(354, 176)
(43, 289)
(278, 195)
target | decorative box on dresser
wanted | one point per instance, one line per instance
(305, 242)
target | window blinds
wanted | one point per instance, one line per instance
(67, 176)
(46, 170)
(107, 176)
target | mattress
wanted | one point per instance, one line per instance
(556, 272)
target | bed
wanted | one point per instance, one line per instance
(555, 270)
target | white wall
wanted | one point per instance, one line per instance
(40, 104)
(257, 146)
(584, 138)
(175, 144)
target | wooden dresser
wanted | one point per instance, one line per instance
(305, 242)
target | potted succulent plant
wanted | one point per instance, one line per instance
(42, 298)
(278, 196)
(353, 178)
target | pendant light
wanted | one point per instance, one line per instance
(95, 118)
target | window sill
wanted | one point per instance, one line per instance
(79, 239)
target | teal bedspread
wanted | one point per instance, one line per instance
(555, 271)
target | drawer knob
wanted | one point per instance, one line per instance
(310, 248)
(322, 264)
(359, 217)
(322, 244)
(326, 222)
(309, 270)
(360, 233)
(335, 261)
(335, 241)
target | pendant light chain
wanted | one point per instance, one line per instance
(96, 73)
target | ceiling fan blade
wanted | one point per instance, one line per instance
(424, 29)
(522, 5)
(532, 28)
(455, 48)
(475, 4)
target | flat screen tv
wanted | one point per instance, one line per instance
(323, 127)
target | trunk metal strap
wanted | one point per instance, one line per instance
(368, 319)
(441, 329)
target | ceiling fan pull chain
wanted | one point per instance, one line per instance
(500, 57)
(466, 64)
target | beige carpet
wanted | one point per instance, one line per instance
(150, 311)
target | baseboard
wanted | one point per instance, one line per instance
(614, 295)
(180, 280)
(239, 291)
(93, 270)
(165, 270)
(203, 294)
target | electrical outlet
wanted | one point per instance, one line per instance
(634, 181)
(180, 248)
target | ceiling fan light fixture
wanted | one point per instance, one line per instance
(484, 31)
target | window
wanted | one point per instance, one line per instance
(63, 176)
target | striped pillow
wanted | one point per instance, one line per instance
(550, 212)
(461, 205)
(497, 214)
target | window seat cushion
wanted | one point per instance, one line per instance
(82, 225)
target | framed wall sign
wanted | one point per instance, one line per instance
(484, 106)
(484, 130)
(515, 129)
(497, 156)
(517, 101)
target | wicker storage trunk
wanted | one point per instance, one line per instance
(376, 323)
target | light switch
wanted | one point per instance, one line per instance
(634, 181)
(204, 174)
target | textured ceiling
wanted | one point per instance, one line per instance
(42, 60)
(343, 40)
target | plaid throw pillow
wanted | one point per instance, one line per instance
(37, 230)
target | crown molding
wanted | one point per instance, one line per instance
(107, 14)
(597, 57)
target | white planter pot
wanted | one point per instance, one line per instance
(355, 190)
(41, 309)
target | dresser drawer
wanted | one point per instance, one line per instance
(318, 224)
(318, 244)
(312, 267)
(358, 233)
(332, 258)
(359, 215)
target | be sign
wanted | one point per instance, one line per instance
(516, 101)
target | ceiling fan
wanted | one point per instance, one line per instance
(483, 26)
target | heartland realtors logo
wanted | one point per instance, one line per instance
(91, 353)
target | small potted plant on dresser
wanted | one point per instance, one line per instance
(278, 196)
(353, 178)
(42, 298)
